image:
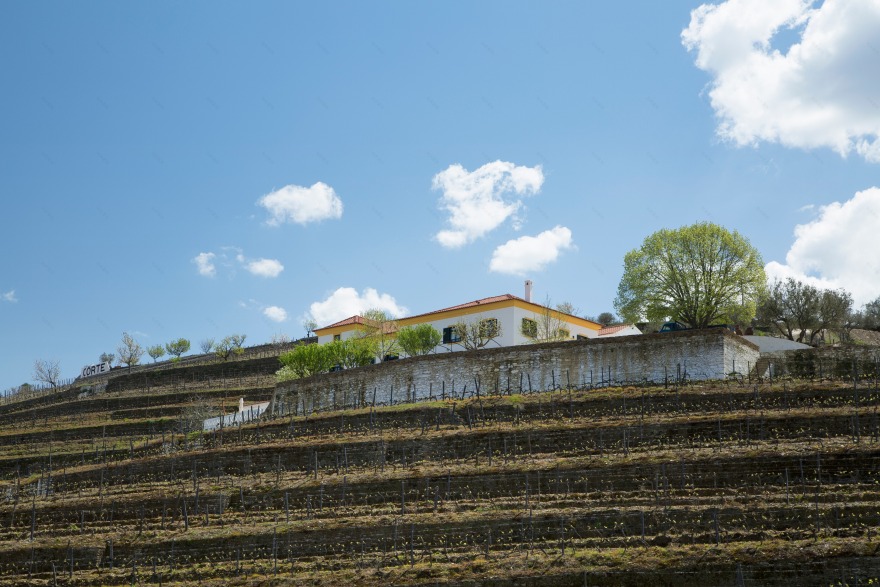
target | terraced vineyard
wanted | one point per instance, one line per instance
(708, 484)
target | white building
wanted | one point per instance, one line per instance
(513, 314)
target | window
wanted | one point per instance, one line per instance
(489, 327)
(529, 328)
(450, 335)
(337, 337)
(582, 337)
(563, 333)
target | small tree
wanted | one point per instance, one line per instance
(304, 360)
(177, 347)
(381, 328)
(547, 326)
(107, 357)
(352, 352)
(418, 340)
(477, 334)
(309, 326)
(279, 340)
(207, 345)
(156, 351)
(567, 308)
(229, 346)
(48, 372)
(129, 352)
(606, 318)
(871, 315)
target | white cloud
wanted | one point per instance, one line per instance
(275, 313)
(838, 248)
(264, 267)
(346, 301)
(479, 201)
(820, 92)
(9, 296)
(205, 264)
(299, 204)
(531, 253)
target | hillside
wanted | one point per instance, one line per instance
(707, 484)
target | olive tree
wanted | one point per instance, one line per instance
(156, 352)
(802, 312)
(304, 360)
(229, 346)
(177, 347)
(418, 340)
(207, 345)
(699, 274)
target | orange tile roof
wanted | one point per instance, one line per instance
(480, 302)
(612, 329)
(346, 322)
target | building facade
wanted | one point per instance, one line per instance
(520, 322)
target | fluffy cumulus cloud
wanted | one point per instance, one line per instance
(838, 248)
(264, 267)
(205, 264)
(302, 205)
(531, 253)
(346, 301)
(479, 201)
(821, 91)
(275, 313)
(229, 258)
(9, 296)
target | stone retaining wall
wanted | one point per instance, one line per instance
(633, 360)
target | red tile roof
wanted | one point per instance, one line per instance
(346, 322)
(612, 329)
(480, 302)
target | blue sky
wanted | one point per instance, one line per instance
(202, 169)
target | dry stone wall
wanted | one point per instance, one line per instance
(654, 358)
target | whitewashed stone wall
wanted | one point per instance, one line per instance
(584, 364)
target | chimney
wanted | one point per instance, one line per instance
(528, 290)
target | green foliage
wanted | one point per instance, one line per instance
(605, 318)
(700, 275)
(798, 309)
(177, 347)
(381, 328)
(352, 352)
(156, 351)
(418, 340)
(107, 357)
(229, 346)
(871, 315)
(304, 360)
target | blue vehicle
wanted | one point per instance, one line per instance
(673, 327)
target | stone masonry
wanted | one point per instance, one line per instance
(632, 360)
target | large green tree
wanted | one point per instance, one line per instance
(700, 275)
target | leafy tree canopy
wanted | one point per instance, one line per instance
(419, 339)
(701, 275)
(177, 347)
